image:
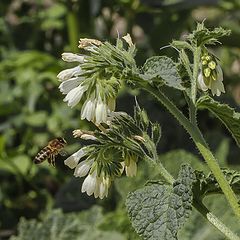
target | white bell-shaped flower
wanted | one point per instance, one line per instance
(73, 160)
(68, 73)
(72, 57)
(74, 96)
(101, 111)
(83, 168)
(88, 109)
(90, 183)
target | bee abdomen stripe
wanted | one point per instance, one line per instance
(42, 155)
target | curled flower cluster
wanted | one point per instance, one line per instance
(211, 75)
(99, 169)
(79, 82)
(97, 183)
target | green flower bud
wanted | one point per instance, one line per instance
(208, 58)
(210, 76)
(212, 65)
(207, 72)
(204, 62)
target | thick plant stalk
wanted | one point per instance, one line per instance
(199, 141)
(215, 221)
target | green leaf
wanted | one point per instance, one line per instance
(207, 184)
(223, 112)
(163, 70)
(16, 164)
(202, 35)
(57, 225)
(36, 119)
(158, 211)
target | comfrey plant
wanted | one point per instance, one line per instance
(159, 209)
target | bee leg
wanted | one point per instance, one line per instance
(53, 161)
(53, 158)
(50, 160)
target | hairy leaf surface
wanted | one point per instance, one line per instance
(163, 70)
(158, 211)
(202, 35)
(226, 114)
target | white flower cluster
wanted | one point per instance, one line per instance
(99, 91)
(74, 84)
(211, 75)
(94, 183)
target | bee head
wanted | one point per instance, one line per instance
(62, 140)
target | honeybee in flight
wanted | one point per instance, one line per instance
(49, 152)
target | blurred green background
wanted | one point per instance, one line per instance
(33, 34)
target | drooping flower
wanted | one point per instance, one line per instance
(72, 57)
(131, 165)
(98, 186)
(83, 168)
(101, 111)
(74, 95)
(95, 184)
(210, 75)
(66, 86)
(103, 187)
(88, 109)
(73, 160)
(90, 183)
(68, 73)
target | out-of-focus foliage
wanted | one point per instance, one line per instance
(33, 36)
(57, 225)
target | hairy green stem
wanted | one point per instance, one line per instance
(192, 110)
(198, 139)
(190, 100)
(192, 113)
(200, 207)
(165, 174)
(196, 61)
(214, 166)
(215, 221)
(161, 169)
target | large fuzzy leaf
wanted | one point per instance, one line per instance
(158, 211)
